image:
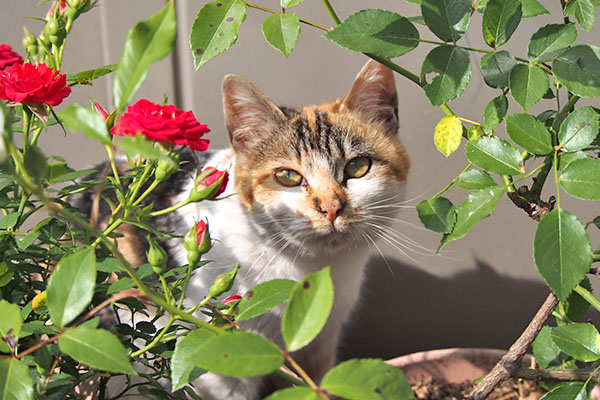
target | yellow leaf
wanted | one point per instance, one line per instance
(448, 135)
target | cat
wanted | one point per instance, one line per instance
(308, 188)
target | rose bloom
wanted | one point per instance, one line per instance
(162, 123)
(8, 56)
(33, 84)
(211, 179)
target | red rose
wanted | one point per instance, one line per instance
(33, 84)
(162, 123)
(209, 186)
(8, 56)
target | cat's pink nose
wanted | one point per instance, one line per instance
(332, 209)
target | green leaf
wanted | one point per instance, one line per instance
(7, 272)
(147, 42)
(437, 214)
(134, 145)
(379, 32)
(447, 19)
(282, 31)
(533, 8)
(580, 341)
(9, 221)
(310, 303)
(581, 179)
(10, 326)
(215, 29)
(475, 179)
(97, 348)
(562, 251)
(86, 77)
(447, 135)
(496, 68)
(583, 11)
(183, 369)
(15, 381)
(529, 133)
(551, 40)
(578, 69)
(71, 286)
(263, 297)
(567, 391)
(579, 129)
(452, 66)
(528, 84)
(500, 19)
(495, 155)
(494, 112)
(545, 351)
(78, 118)
(575, 307)
(295, 393)
(290, 3)
(367, 379)
(477, 206)
(239, 354)
(566, 159)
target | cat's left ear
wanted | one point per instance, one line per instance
(373, 95)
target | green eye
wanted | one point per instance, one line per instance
(357, 167)
(287, 177)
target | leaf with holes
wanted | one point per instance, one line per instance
(379, 32)
(310, 303)
(215, 29)
(496, 68)
(500, 19)
(578, 69)
(262, 298)
(447, 19)
(581, 178)
(437, 214)
(528, 84)
(551, 40)
(452, 66)
(282, 31)
(580, 341)
(495, 112)
(495, 155)
(579, 129)
(562, 251)
(583, 11)
(529, 133)
(447, 135)
(15, 381)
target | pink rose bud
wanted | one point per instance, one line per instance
(197, 242)
(101, 111)
(209, 184)
(232, 298)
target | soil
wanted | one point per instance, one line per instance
(510, 389)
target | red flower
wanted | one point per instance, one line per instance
(101, 111)
(232, 298)
(33, 84)
(8, 56)
(162, 123)
(200, 232)
(208, 184)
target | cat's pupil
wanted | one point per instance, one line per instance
(358, 167)
(288, 177)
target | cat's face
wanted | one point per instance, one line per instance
(318, 179)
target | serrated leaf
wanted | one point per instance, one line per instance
(580, 341)
(310, 303)
(183, 369)
(581, 179)
(528, 84)
(495, 155)
(295, 393)
(447, 19)
(496, 68)
(500, 20)
(71, 286)
(86, 77)
(533, 8)
(282, 30)
(576, 306)
(290, 3)
(578, 69)
(551, 40)
(477, 206)
(437, 214)
(83, 119)
(475, 179)
(379, 32)
(545, 351)
(495, 111)
(529, 133)
(367, 379)
(567, 391)
(579, 129)
(215, 29)
(583, 11)
(562, 251)
(15, 381)
(263, 297)
(452, 66)
(97, 348)
(239, 354)
(147, 42)
(447, 135)
(10, 326)
(9, 221)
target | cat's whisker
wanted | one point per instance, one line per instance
(382, 200)
(397, 220)
(401, 236)
(393, 244)
(401, 243)
(366, 235)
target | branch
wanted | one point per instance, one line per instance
(562, 375)
(511, 362)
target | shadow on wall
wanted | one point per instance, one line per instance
(477, 308)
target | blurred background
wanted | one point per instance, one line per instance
(481, 291)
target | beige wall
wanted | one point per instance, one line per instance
(481, 291)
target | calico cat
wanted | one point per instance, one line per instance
(307, 188)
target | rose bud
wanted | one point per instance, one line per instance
(223, 283)
(197, 242)
(232, 298)
(157, 256)
(164, 168)
(101, 111)
(209, 184)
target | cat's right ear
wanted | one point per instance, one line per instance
(248, 112)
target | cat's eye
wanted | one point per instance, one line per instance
(357, 167)
(288, 177)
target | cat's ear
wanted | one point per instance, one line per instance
(248, 112)
(373, 95)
